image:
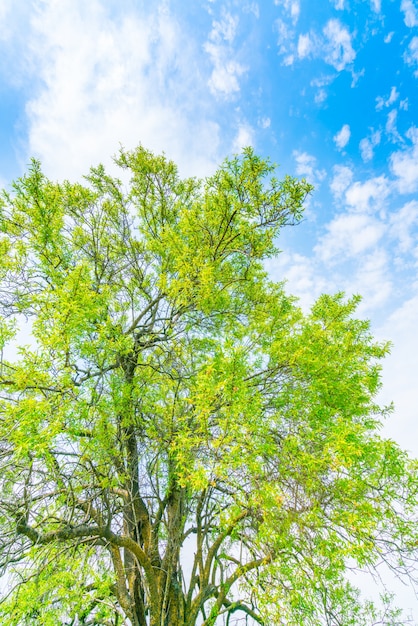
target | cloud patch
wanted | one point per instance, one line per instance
(368, 196)
(333, 45)
(305, 46)
(402, 227)
(285, 41)
(411, 54)
(124, 79)
(243, 138)
(349, 235)
(292, 7)
(341, 180)
(342, 138)
(339, 5)
(382, 102)
(306, 166)
(410, 13)
(338, 49)
(226, 71)
(368, 144)
(404, 164)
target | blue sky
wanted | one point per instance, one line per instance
(326, 88)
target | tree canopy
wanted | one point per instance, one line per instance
(179, 443)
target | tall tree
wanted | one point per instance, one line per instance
(179, 442)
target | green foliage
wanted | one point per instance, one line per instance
(175, 406)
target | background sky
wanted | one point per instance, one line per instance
(326, 88)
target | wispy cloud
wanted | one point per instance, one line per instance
(411, 54)
(306, 166)
(368, 144)
(338, 49)
(338, 4)
(410, 13)
(264, 122)
(349, 234)
(305, 45)
(226, 69)
(292, 7)
(402, 227)
(304, 277)
(320, 83)
(391, 126)
(342, 178)
(333, 45)
(243, 138)
(382, 102)
(369, 195)
(399, 371)
(404, 164)
(285, 36)
(96, 90)
(252, 7)
(342, 138)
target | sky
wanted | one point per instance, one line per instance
(325, 88)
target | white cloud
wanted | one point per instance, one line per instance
(252, 7)
(391, 127)
(411, 55)
(320, 96)
(338, 4)
(381, 102)
(376, 5)
(356, 77)
(289, 59)
(264, 122)
(305, 46)
(333, 45)
(321, 82)
(373, 281)
(285, 41)
(342, 178)
(368, 196)
(224, 78)
(13, 24)
(338, 49)
(388, 37)
(394, 95)
(366, 149)
(349, 235)
(342, 138)
(306, 166)
(243, 138)
(226, 69)
(96, 89)
(368, 144)
(291, 6)
(404, 164)
(410, 13)
(5, 9)
(225, 29)
(400, 371)
(402, 224)
(304, 279)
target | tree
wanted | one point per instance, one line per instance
(179, 442)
